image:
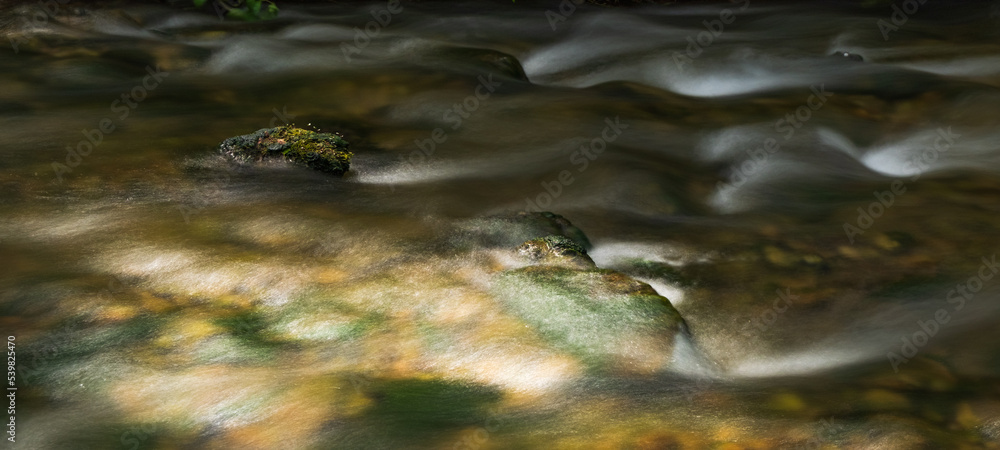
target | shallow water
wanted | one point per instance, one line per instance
(163, 296)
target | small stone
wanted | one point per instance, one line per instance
(849, 56)
(779, 257)
(118, 313)
(883, 399)
(966, 418)
(787, 401)
(885, 242)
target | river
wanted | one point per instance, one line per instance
(813, 187)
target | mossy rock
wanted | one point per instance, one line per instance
(324, 152)
(558, 250)
(607, 319)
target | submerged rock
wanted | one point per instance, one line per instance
(605, 318)
(510, 230)
(324, 152)
(479, 59)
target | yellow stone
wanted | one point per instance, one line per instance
(787, 401)
(238, 301)
(118, 312)
(885, 399)
(966, 418)
(812, 259)
(155, 304)
(778, 257)
(884, 241)
(187, 330)
(331, 276)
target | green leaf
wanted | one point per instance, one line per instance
(254, 6)
(270, 13)
(198, 3)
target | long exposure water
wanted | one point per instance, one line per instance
(813, 187)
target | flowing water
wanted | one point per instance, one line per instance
(825, 226)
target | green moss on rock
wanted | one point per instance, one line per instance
(324, 152)
(605, 318)
(555, 249)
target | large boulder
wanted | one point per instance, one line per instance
(604, 318)
(611, 322)
(324, 152)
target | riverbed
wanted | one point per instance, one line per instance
(806, 194)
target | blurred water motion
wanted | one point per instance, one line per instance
(807, 215)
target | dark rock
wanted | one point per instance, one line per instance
(324, 152)
(848, 55)
(479, 59)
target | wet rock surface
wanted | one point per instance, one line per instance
(847, 56)
(608, 319)
(325, 152)
(394, 309)
(554, 249)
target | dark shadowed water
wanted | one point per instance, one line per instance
(825, 224)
